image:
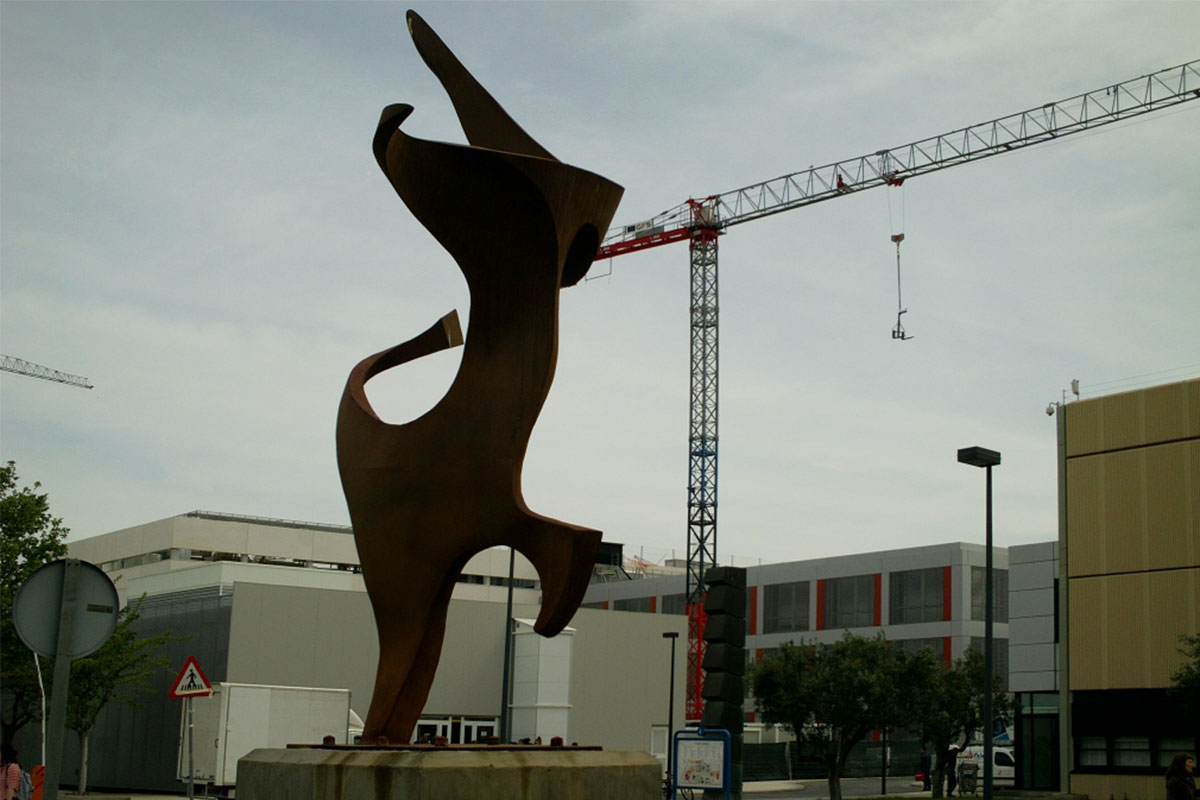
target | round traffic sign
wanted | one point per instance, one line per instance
(37, 609)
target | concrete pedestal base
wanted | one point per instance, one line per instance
(437, 774)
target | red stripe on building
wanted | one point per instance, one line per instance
(947, 596)
(946, 649)
(878, 599)
(749, 716)
(820, 604)
(758, 654)
(752, 623)
(875, 737)
(653, 605)
(606, 605)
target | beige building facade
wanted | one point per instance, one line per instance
(1130, 576)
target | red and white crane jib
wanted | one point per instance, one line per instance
(891, 166)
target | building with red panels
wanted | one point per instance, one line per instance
(931, 596)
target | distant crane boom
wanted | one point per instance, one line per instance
(22, 367)
(701, 221)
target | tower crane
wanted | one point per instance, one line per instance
(700, 221)
(22, 367)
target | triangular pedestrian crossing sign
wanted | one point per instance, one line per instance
(191, 681)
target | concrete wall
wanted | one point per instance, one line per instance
(1132, 537)
(299, 636)
(236, 540)
(469, 676)
(317, 637)
(1133, 499)
(1125, 629)
(147, 538)
(1032, 652)
(621, 671)
(1125, 787)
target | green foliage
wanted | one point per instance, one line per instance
(118, 672)
(832, 696)
(29, 538)
(1185, 681)
(950, 702)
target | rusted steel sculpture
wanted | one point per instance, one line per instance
(427, 495)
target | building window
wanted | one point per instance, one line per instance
(1038, 702)
(674, 604)
(518, 583)
(850, 602)
(999, 657)
(1093, 751)
(785, 607)
(633, 604)
(915, 646)
(916, 595)
(999, 594)
(1169, 746)
(1139, 754)
(1131, 751)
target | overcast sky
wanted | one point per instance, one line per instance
(192, 218)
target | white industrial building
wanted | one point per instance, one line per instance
(279, 602)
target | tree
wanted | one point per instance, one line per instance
(29, 538)
(117, 672)
(950, 703)
(831, 696)
(1185, 681)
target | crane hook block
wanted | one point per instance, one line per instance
(898, 238)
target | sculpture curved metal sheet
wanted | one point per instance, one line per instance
(427, 495)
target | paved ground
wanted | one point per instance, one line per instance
(763, 790)
(818, 789)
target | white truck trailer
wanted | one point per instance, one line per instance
(240, 717)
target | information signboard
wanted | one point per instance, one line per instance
(701, 759)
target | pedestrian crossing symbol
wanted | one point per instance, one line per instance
(191, 681)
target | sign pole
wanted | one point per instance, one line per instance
(190, 683)
(191, 742)
(62, 675)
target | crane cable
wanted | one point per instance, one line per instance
(898, 331)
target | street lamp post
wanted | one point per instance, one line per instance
(672, 635)
(982, 457)
(506, 680)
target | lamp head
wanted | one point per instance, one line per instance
(978, 457)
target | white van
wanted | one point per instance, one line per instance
(1004, 765)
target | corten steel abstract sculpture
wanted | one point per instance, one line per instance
(427, 495)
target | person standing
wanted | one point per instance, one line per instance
(952, 771)
(926, 766)
(1181, 783)
(10, 772)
